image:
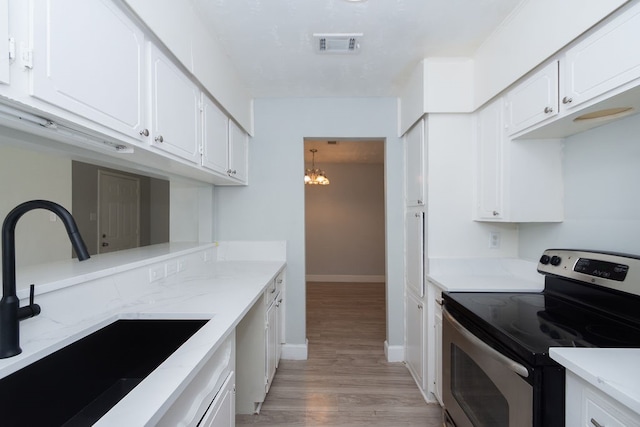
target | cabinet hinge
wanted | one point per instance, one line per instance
(26, 54)
(12, 49)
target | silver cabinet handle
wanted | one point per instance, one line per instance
(144, 132)
(548, 110)
(484, 347)
(159, 138)
(596, 424)
(567, 100)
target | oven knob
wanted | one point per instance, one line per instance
(556, 260)
(544, 259)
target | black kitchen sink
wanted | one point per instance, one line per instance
(77, 385)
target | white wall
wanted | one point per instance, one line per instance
(451, 181)
(27, 175)
(345, 223)
(272, 207)
(602, 197)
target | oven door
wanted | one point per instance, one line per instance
(481, 386)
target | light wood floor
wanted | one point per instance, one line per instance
(346, 380)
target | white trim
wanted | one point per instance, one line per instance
(394, 353)
(345, 278)
(295, 351)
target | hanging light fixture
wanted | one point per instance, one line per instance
(315, 176)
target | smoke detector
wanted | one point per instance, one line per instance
(337, 42)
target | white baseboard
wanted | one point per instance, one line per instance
(344, 278)
(394, 353)
(295, 351)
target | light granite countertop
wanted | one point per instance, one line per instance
(208, 282)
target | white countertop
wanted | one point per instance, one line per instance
(485, 275)
(210, 288)
(613, 371)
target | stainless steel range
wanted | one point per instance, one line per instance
(496, 365)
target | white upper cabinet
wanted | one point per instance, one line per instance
(89, 62)
(215, 137)
(489, 152)
(415, 173)
(4, 47)
(175, 109)
(517, 180)
(238, 152)
(604, 60)
(534, 100)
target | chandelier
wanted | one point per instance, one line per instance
(315, 176)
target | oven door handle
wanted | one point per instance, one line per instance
(511, 364)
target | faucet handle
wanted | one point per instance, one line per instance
(35, 308)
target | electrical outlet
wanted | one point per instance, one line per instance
(494, 240)
(156, 273)
(182, 265)
(170, 268)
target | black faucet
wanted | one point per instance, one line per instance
(10, 311)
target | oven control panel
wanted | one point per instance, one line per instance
(612, 270)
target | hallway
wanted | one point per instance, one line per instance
(346, 381)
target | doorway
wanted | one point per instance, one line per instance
(345, 220)
(118, 212)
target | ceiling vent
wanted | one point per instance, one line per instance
(337, 42)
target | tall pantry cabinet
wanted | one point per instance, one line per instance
(415, 253)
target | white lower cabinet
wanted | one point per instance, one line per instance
(415, 353)
(209, 398)
(222, 412)
(258, 343)
(436, 295)
(586, 406)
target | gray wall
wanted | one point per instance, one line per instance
(602, 194)
(154, 205)
(27, 175)
(272, 206)
(344, 223)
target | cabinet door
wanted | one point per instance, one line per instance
(489, 161)
(215, 137)
(415, 173)
(222, 412)
(414, 340)
(533, 100)
(175, 109)
(438, 349)
(271, 344)
(415, 252)
(279, 326)
(4, 47)
(89, 62)
(238, 146)
(603, 61)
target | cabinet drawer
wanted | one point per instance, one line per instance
(273, 289)
(604, 411)
(193, 402)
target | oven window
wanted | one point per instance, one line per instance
(476, 394)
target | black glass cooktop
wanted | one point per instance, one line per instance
(529, 323)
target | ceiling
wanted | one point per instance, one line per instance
(271, 43)
(344, 151)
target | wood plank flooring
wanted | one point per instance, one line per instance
(346, 380)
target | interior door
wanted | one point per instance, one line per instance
(118, 212)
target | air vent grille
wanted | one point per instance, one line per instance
(338, 42)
